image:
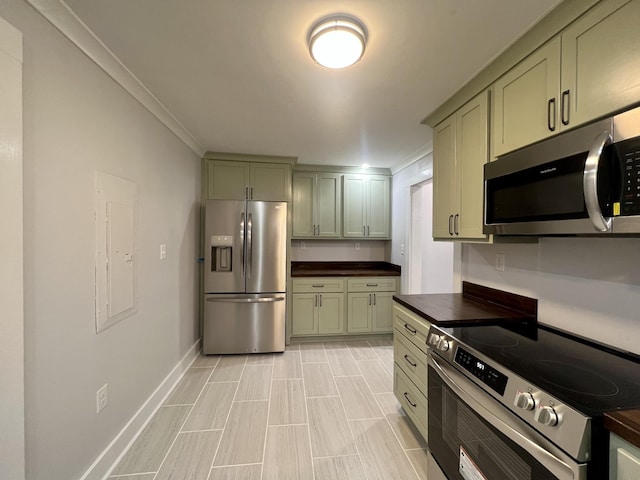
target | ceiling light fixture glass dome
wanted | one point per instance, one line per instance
(337, 41)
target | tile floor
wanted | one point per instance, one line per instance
(318, 411)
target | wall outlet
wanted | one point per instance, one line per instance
(163, 251)
(357, 245)
(402, 249)
(303, 245)
(500, 262)
(102, 397)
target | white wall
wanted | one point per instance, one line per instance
(338, 251)
(77, 121)
(589, 286)
(403, 180)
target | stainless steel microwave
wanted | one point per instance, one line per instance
(582, 182)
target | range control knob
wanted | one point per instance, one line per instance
(525, 401)
(547, 416)
(434, 338)
(443, 345)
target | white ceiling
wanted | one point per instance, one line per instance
(238, 76)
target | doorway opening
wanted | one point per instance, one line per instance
(431, 264)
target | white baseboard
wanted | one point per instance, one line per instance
(111, 455)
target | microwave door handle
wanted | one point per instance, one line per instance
(590, 183)
(502, 420)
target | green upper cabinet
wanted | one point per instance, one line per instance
(316, 205)
(242, 180)
(460, 150)
(590, 70)
(601, 62)
(366, 206)
(526, 104)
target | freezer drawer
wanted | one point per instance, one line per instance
(250, 323)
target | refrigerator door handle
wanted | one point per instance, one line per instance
(242, 241)
(246, 300)
(249, 244)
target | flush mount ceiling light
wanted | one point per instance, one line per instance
(337, 41)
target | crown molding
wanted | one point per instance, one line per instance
(69, 24)
(419, 154)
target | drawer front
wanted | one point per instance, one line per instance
(372, 284)
(318, 285)
(413, 327)
(413, 402)
(411, 360)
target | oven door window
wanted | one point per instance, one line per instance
(467, 447)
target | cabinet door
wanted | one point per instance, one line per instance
(445, 195)
(304, 319)
(359, 312)
(601, 62)
(331, 313)
(328, 205)
(270, 182)
(304, 193)
(227, 180)
(354, 206)
(382, 312)
(472, 152)
(526, 106)
(378, 206)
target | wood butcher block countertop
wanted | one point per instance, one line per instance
(476, 305)
(344, 269)
(625, 424)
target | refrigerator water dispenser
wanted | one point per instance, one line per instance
(221, 253)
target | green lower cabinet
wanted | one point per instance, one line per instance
(370, 312)
(318, 313)
(382, 312)
(330, 313)
(305, 314)
(359, 312)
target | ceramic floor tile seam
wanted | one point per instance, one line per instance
(203, 430)
(266, 430)
(224, 428)
(227, 381)
(386, 417)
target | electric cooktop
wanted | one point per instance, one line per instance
(590, 377)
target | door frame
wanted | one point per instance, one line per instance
(12, 416)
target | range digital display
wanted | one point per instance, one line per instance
(487, 374)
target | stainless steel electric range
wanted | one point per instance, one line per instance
(525, 402)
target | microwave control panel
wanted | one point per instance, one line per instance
(630, 156)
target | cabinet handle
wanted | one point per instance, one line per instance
(565, 106)
(320, 299)
(364, 230)
(406, 357)
(410, 329)
(315, 303)
(450, 228)
(455, 223)
(317, 230)
(406, 395)
(246, 193)
(551, 114)
(372, 284)
(369, 299)
(317, 285)
(251, 193)
(368, 230)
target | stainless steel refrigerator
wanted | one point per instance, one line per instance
(245, 276)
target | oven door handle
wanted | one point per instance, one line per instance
(552, 458)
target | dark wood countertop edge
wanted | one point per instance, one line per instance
(344, 269)
(509, 306)
(625, 424)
